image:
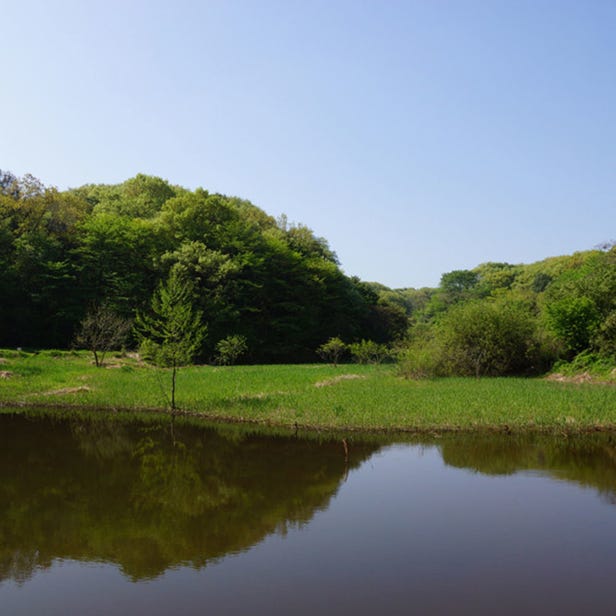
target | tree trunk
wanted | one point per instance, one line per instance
(173, 373)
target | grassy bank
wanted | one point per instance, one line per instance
(316, 396)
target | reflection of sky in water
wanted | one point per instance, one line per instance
(404, 533)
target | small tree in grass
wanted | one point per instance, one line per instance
(332, 350)
(229, 349)
(172, 332)
(102, 330)
(368, 352)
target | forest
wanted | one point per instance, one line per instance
(279, 288)
(502, 319)
(63, 253)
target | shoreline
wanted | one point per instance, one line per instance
(296, 427)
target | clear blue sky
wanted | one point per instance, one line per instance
(418, 137)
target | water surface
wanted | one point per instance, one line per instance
(106, 516)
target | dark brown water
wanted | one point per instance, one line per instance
(103, 517)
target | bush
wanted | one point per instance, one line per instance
(487, 338)
(420, 360)
(148, 350)
(332, 351)
(229, 349)
(586, 361)
(369, 352)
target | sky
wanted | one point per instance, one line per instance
(417, 137)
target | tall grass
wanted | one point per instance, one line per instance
(317, 396)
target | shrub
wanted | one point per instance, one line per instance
(487, 338)
(586, 361)
(332, 351)
(369, 352)
(229, 349)
(420, 360)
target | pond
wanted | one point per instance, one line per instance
(103, 516)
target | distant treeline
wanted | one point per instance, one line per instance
(502, 319)
(276, 286)
(63, 253)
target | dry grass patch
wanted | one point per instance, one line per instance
(584, 377)
(67, 390)
(338, 379)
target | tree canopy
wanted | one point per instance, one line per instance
(275, 284)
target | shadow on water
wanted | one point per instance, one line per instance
(155, 495)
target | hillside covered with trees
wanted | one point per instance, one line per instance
(276, 290)
(276, 285)
(503, 319)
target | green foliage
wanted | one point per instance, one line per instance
(568, 300)
(172, 328)
(459, 283)
(369, 352)
(278, 285)
(484, 338)
(580, 304)
(230, 349)
(412, 301)
(172, 333)
(540, 282)
(477, 338)
(604, 339)
(332, 351)
(574, 320)
(140, 197)
(302, 240)
(386, 322)
(495, 278)
(587, 363)
(421, 360)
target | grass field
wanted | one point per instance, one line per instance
(308, 396)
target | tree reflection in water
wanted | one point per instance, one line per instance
(149, 497)
(588, 460)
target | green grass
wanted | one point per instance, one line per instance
(288, 395)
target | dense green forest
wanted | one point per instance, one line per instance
(63, 253)
(277, 288)
(501, 319)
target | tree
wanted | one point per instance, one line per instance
(102, 330)
(172, 333)
(332, 350)
(459, 282)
